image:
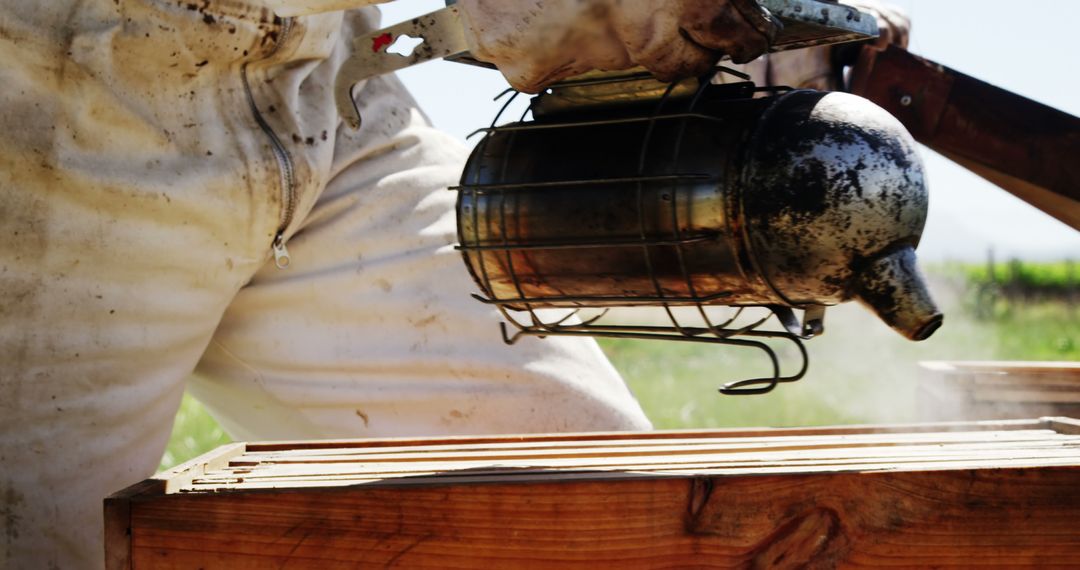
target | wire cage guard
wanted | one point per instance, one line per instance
(648, 249)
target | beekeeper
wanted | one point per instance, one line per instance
(160, 160)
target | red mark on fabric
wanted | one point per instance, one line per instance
(381, 41)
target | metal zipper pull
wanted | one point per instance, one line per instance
(281, 253)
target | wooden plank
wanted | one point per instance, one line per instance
(1008, 424)
(1052, 398)
(609, 447)
(990, 454)
(613, 476)
(528, 477)
(534, 474)
(182, 475)
(987, 382)
(1063, 425)
(1019, 366)
(987, 390)
(811, 452)
(420, 454)
(118, 522)
(912, 519)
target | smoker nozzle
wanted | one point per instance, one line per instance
(893, 287)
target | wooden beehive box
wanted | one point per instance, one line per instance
(998, 390)
(1000, 493)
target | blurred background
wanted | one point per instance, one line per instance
(1005, 274)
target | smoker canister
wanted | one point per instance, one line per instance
(799, 199)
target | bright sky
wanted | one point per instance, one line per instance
(1026, 47)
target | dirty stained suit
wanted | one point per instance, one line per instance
(155, 154)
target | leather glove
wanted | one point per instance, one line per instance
(537, 42)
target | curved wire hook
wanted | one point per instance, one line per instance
(756, 386)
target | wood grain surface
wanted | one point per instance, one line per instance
(1001, 494)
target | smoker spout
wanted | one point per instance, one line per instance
(893, 288)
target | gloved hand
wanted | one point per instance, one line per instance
(537, 42)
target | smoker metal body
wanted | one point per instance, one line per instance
(720, 196)
(528, 250)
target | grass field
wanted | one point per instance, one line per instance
(1054, 276)
(860, 371)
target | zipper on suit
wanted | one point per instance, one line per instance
(284, 160)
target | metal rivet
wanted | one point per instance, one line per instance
(905, 101)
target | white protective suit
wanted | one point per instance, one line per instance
(152, 152)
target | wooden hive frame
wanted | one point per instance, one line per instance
(990, 390)
(958, 494)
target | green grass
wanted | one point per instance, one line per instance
(194, 433)
(860, 371)
(677, 386)
(1052, 277)
(1044, 331)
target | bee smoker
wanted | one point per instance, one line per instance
(625, 192)
(628, 193)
